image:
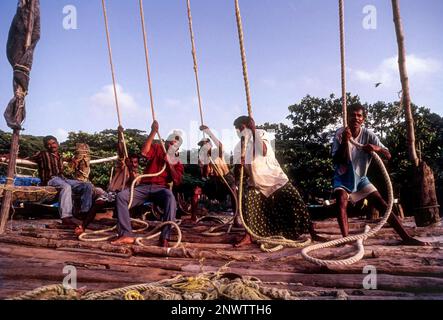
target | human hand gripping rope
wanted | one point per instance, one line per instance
(359, 237)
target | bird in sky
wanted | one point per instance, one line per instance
(377, 84)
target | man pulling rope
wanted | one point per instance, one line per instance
(154, 188)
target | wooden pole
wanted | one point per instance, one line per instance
(426, 211)
(405, 83)
(7, 197)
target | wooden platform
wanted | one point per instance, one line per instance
(33, 253)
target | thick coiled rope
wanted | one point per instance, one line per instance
(359, 237)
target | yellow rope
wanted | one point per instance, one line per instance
(133, 295)
(203, 286)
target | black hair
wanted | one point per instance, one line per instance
(242, 120)
(132, 156)
(47, 138)
(356, 107)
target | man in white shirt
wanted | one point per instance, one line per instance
(351, 164)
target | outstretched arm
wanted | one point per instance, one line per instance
(217, 142)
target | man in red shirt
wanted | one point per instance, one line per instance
(155, 189)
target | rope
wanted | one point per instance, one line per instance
(58, 290)
(203, 286)
(194, 57)
(268, 244)
(360, 237)
(114, 82)
(148, 70)
(343, 62)
(210, 232)
(243, 57)
(277, 243)
(367, 233)
(155, 234)
(85, 236)
(149, 175)
(124, 290)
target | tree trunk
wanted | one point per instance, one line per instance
(426, 207)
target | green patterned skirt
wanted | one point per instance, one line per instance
(284, 213)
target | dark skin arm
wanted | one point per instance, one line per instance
(216, 141)
(342, 154)
(120, 147)
(373, 148)
(147, 146)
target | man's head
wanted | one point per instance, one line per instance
(204, 142)
(50, 143)
(244, 122)
(133, 159)
(174, 140)
(356, 115)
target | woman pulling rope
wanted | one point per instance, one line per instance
(273, 207)
(274, 213)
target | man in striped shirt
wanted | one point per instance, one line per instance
(50, 168)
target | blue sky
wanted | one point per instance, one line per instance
(292, 50)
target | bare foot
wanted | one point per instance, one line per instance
(192, 219)
(70, 222)
(79, 230)
(247, 240)
(415, 242)
(123, 240)
(317, 238)
(163, 243)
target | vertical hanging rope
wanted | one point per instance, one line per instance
(114, 82)
(343, 61)
(194, 57)
(148, 69)
(243, 57)
(359, 238)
